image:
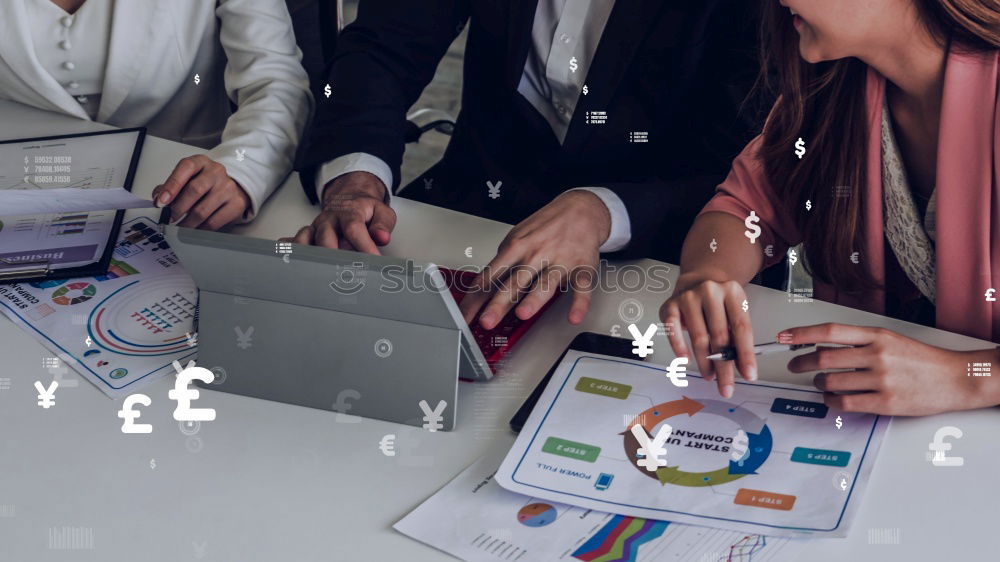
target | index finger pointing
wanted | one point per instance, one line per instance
(829, 333)
(183, 172)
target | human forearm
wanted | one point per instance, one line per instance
(982, 371)
(733, 258)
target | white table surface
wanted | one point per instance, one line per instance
(280, 482)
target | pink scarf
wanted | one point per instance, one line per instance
(968, 200)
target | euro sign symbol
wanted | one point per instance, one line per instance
(184, 395)
(130, 415)
(677, 371)
(386, 445)
(753, 229)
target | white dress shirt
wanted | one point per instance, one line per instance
(562, 30)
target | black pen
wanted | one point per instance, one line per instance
(729, 353)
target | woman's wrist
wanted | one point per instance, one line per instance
(692, 277)
(981, 371)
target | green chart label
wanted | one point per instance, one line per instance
(571, 449)
(603, 388)
(820, 456)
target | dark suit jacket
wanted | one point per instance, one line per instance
(679, 70)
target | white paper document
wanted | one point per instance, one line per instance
(474, 519)
(772, 460)
(68, 200)
(120, 330)
(59, 196)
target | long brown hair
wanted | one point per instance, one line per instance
(824, 104)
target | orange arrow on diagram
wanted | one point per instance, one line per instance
(653, 416)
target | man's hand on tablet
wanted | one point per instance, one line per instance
(354, 215)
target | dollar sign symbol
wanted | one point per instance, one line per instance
(792, 257)
(809, 205)
(327, 91)
(746, 305)
(572, 64)
(585, 90)
(197, 79)
(800, 148)
(152, 463)
(753, 229)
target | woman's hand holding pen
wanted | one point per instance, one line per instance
(707, 301)
(712, 314)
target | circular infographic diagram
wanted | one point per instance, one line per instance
(537, 514)
(74, 293)
(748, 448)
(146, 318)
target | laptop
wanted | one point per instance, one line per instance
(366, 335)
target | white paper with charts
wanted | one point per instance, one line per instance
(770, 460)
(120, 330)
(474, 519)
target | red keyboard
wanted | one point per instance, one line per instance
(495, 343)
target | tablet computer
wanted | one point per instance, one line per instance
(585, 341)
(375, 336)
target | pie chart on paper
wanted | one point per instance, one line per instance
(537, 515)
(74, 293)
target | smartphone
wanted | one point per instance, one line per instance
(585, 341)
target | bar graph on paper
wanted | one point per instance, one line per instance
(627, 539)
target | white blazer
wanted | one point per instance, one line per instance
(242, 50)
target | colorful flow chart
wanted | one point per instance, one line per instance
(756, 431)
(770, 460)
